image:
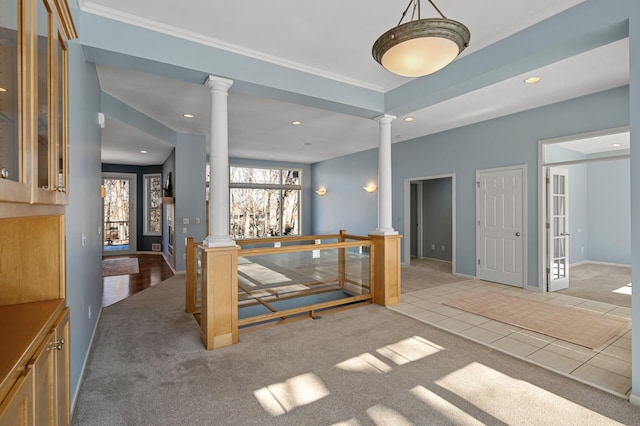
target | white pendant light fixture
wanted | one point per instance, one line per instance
(422, 46)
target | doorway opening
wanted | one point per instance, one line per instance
(429, 219)
(588, 230)
(119, 214)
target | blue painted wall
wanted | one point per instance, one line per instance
(345, 205)
(578, 213)
(609, 207)
(83, 269)
(504, 141)
(189, 190)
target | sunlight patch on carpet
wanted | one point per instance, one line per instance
(280, 398)
(625, 289)
(501, 396)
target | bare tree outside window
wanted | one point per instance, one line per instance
(264, 202)
(153, 206)
(116, 211)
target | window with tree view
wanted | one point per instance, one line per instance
(264, 202)
(152, 206)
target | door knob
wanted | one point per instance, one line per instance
(517, 234)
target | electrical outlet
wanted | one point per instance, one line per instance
(185, 220)
(442, 248)
(433, 247)
(184, 230)
(184, 256)
(89, 311)
(84, 238)
(197, 220)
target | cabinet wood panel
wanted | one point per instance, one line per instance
(31, 260)
(17, 409)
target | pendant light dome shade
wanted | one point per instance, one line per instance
(421, 47)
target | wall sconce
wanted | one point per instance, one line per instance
(370, 188)
(321, 191)
(103, 191)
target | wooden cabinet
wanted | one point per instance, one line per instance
(34, 100)
(17, 409)
(34, 319)
(50, 367)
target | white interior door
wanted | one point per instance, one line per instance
(557, 228)
(500, 221)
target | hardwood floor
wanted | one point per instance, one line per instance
(153, 269)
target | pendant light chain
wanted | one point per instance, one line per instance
(416, 5)
(437, 10)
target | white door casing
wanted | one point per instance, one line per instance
(557, 227)
(500, 220)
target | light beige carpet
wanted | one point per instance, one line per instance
(120, 266)
(571, 325)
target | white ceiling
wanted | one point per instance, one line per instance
(321, 38)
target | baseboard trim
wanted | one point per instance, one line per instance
(634, 399)
(469, 277)
(158, 253)
(84, 364)
(595, 262)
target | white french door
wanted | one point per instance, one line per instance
(119, 214)
(557, 229)
(500, 225)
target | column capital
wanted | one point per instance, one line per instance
(385, 118)
(218, 83)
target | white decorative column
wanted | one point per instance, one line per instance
(219, 164)
(385, 225)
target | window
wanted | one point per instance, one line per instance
(264, 202)
(152, 206)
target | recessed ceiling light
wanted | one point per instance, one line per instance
(532, 79)
(616, 144)
(408, 119)
(187, 115)
(296, 123)
(2, 89)
(142, 151)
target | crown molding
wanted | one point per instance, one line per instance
(106, 12)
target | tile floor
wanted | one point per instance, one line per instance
(608, 367)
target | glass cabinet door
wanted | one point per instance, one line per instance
(12, 180)
(43, 147)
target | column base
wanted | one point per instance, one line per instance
(219, 241)
(386, 277)
(385, 231)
